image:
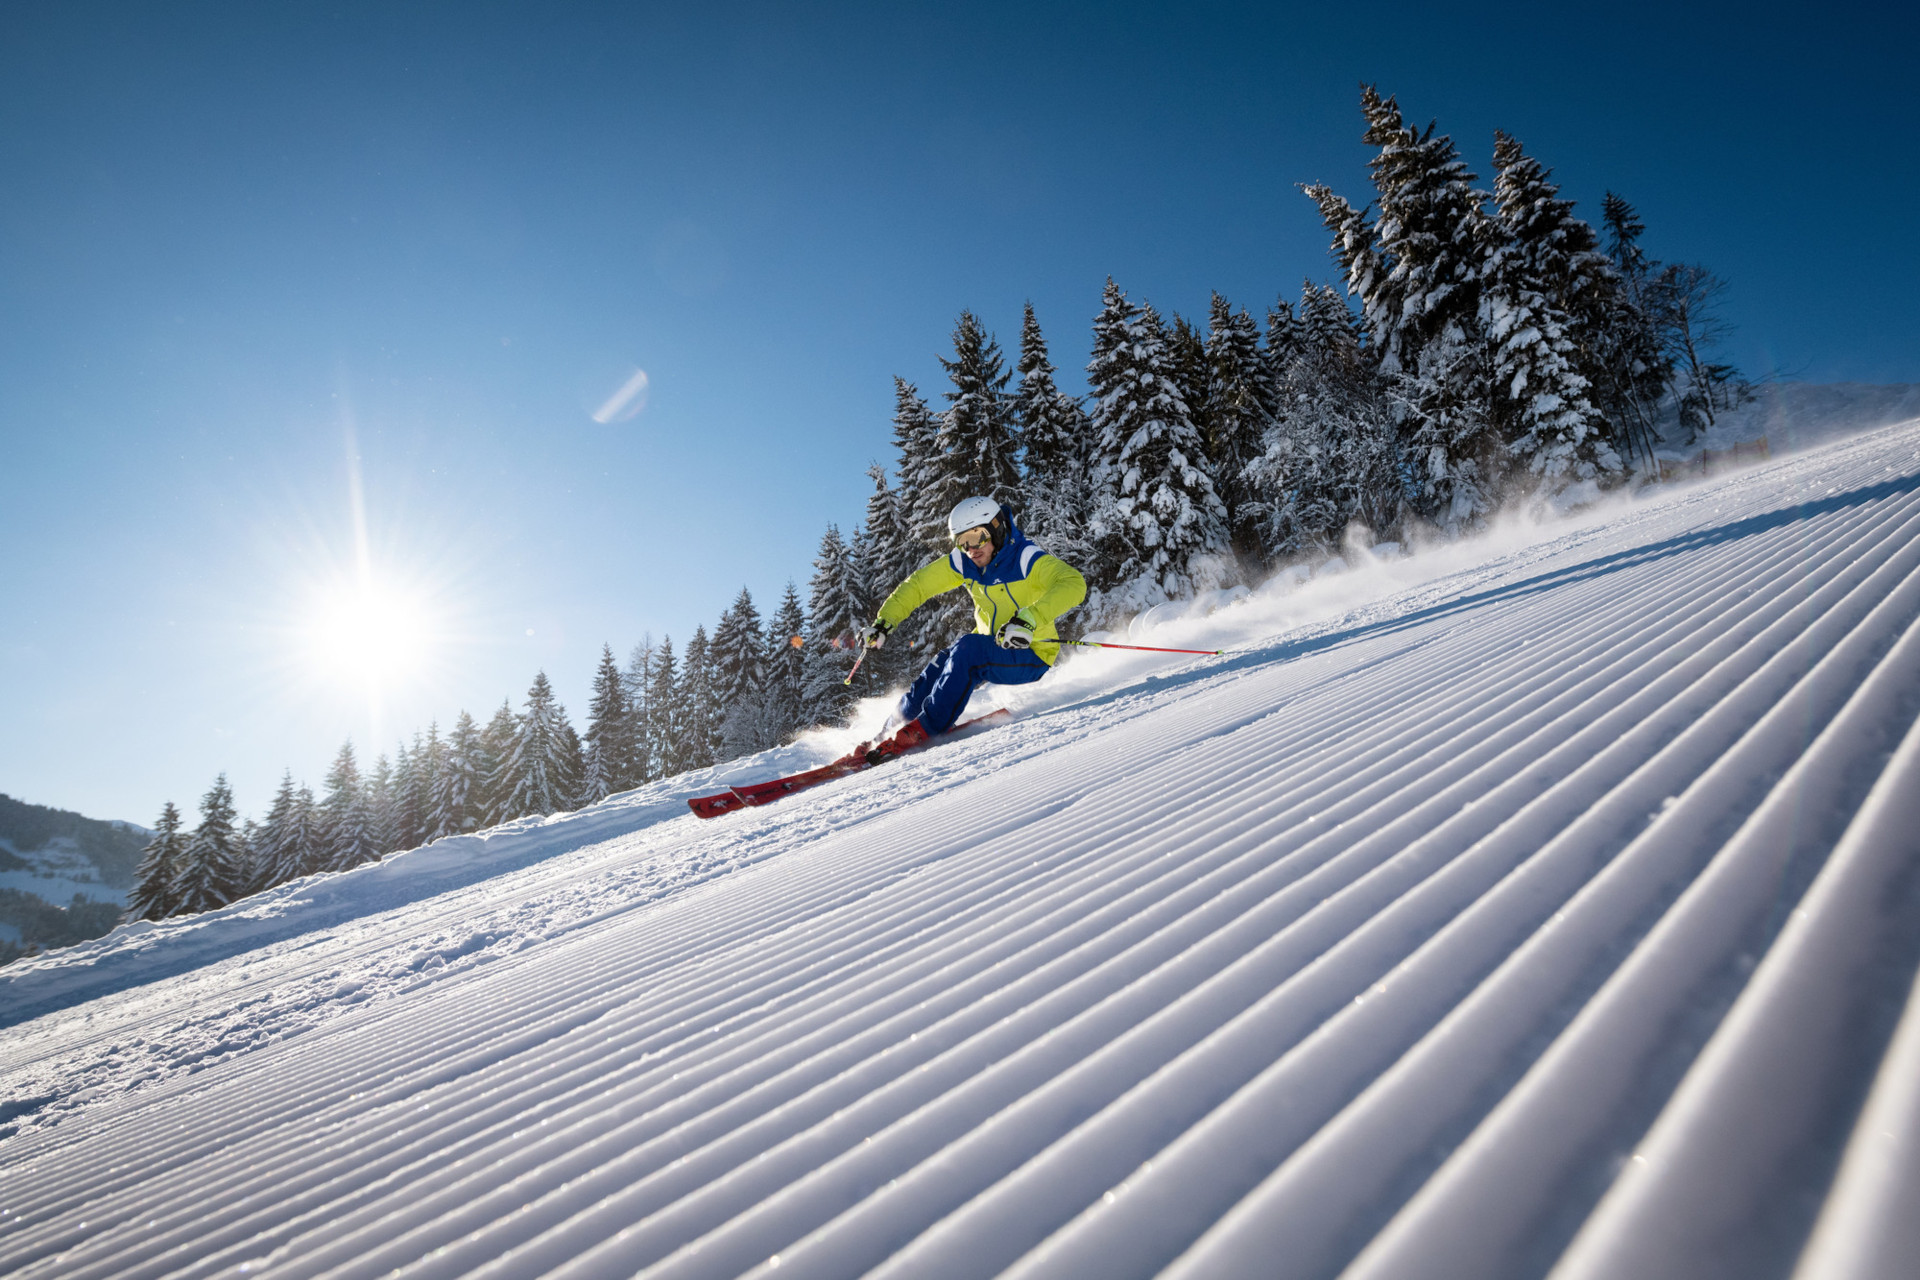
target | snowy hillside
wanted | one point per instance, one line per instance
(1792, 416)
(1545, 903)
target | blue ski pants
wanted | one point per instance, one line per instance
(940, 694)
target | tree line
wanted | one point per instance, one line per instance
(1487, 346)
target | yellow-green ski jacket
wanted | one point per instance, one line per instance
(1020, 576)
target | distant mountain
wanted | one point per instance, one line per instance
(113, 848)
(63, 877)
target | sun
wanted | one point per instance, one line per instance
(368, 632)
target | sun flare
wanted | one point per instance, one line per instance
(368, 632)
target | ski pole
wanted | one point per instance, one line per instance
(1144, 648)
(856, 667)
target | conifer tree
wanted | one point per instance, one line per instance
(1056, 447)
(253, 867)
(977, 453)
(497, 741)
(1365, 476)
(402, 792)
(699, 707)
(665, 720)
(213, 871)
(1418, 274)
(347, 820)
(1282, 348)
(573, 760)
(836, 608)
(1241, 404)
(637, 681)
(1187, 365)
(1543, 259)
(270, 845)
(739, 650)
(609, 745)
(301, 850)
(533, 777)
(786, 669)
(161, 862)
(429, 762)
(916, 436)
(1157, 511)
(1629, 369)
(740, 659)
(455, 798)
(377, 790)
(356, 840)
(885, 554)
(1052, 426)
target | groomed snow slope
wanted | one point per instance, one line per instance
(1549, 903)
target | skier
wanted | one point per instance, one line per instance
(1018, 591)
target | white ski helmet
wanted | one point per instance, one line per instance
(972, 513)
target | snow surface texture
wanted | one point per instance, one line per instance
(1544, 903)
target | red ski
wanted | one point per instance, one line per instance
(759, 793)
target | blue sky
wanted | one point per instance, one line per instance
(299, 296)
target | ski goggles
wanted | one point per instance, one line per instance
(968, 542)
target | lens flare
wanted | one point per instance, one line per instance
(625, 403)
(368, 633)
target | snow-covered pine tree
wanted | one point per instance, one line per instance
(699, 707)
(533, 778)
(739, 661)
(1192, 377)
(1052, 427)
(1108, 371)
(160, 865)
(742, 656)
(573, 759)
(1417, 273)
(404, 791)
(637, 680)
(269, 845)
(425, 761)
(1542, 259)
(346, 820)
(609, 746)
(1055, 443)
(1366, 471)
(1629, 369)
(213, 870)
(1296, 491)
(455, 800)
(355, 839)
(666, 746)
(1270, 481)
(253, 864)
(300, 849)
(891, 552)
(1281, 349)
(885, 553)
(786, 667)
(1242, 400)
(916, 437)
(836, 608)
(497, 741)
(977, 454)
(377, 790)
(1158, 513)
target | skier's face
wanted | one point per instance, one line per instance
(978, 544)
